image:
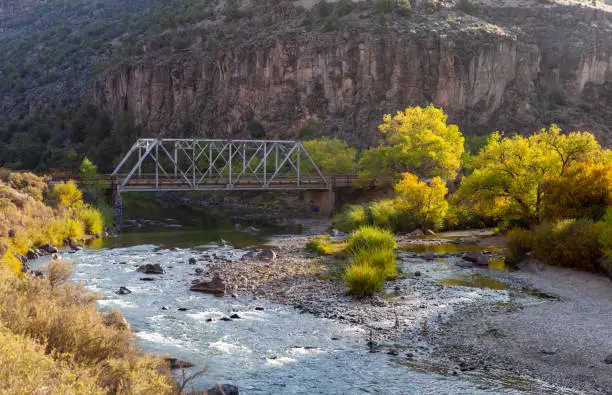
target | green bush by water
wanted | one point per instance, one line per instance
(519, 242)
(569, 243)
(352, 217)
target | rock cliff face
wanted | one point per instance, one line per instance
(508, 67)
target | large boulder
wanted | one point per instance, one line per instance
(222, 389)
(151, 269)
(49, 249)
(477, 258)
(216, 286)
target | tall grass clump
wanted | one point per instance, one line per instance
(352, 217)
(381, 258)
(519, 243)
(371, 237)
(372, 260)
(321, 245)
(363, 280)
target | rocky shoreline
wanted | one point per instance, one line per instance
(421, 320)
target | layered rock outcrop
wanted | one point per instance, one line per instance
(512, 68)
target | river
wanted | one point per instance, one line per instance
(270, 348)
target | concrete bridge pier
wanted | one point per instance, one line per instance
(325, 200)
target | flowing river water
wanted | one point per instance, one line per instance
(271, 348)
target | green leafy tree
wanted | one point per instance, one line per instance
(91, 181)
(417, 140)
(332, 156)
(509, 175)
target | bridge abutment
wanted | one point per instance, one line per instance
(320, 202)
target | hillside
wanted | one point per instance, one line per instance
(295, 69)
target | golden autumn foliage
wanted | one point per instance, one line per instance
(417, 140)
(582, 191)
(53, 340)
(420, 203)
(510, 174)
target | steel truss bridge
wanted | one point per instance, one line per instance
(203, 164)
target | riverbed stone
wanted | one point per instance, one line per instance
(216, 286)
(477, 258)
(608, 359)
(429, 232)
(192, 261)
(248, 255)
(222, 389)
(234, 316)
(32, 254)
(147, 279)
(123, 291)
(175, 363)
(267, 255)
(151, 269)
(49, 249)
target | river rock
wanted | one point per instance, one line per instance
(151, 269)
(177, 363)
(123, 291)
(267, 255)
(192, 261)
(337, 233)
(429, 256)
(234, 316)
(248, 255)
(199, 271)
(222, 389)
(608, 359)
(76, 247)
(477, 258)
(56, 257)
(417, 232)
(465, 264)
(222, 243)
(147, 279)
(251, 229)
(429, 232)
(49, 249)
(33, 254)
(216, 286)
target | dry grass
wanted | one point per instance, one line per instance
(53, 339)
(62, 323)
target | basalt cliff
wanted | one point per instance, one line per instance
(514, 66)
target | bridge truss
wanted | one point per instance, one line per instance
(202, 164)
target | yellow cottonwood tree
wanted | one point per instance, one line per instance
(416, 140)
(420, 202)
(509, 175)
